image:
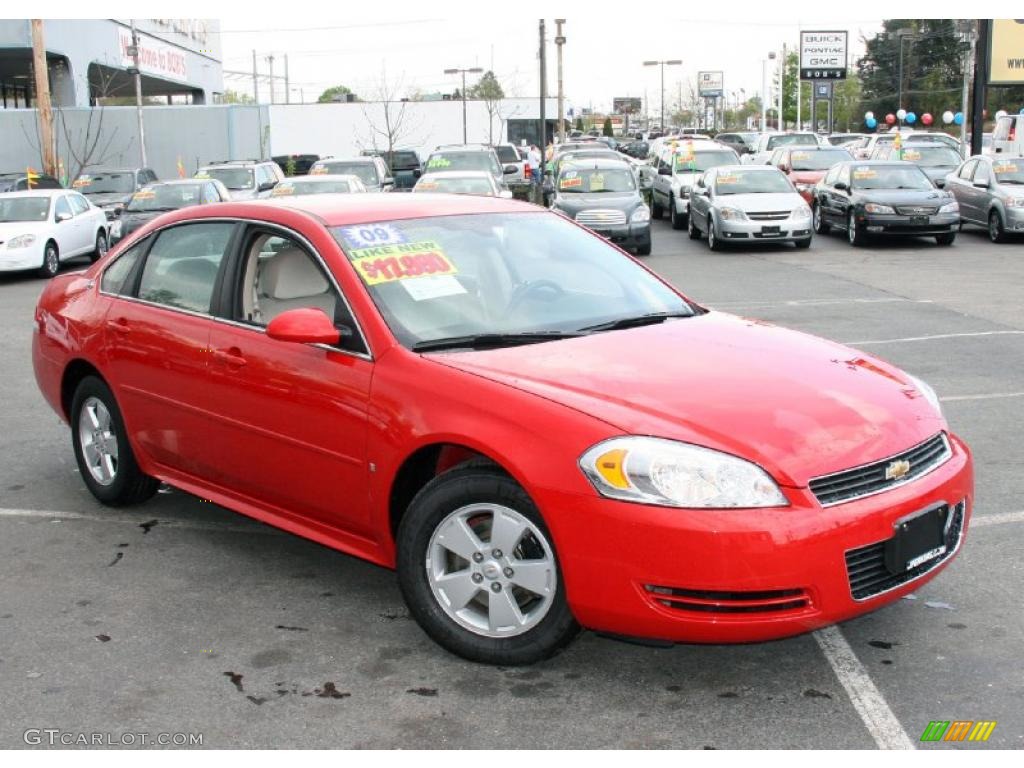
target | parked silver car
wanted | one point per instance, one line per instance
(936, 159)
(990, 191)
(372, 171)
(743, 203)
(678, 167)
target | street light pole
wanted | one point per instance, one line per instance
(138, 93)
(458, 71)
(902, 34)
(560, 41)
(671, 63)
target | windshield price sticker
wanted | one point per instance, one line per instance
(388, 263)
(146, 193)
(202, 175)
(864, 173)
(729, 179)
(427, 185)
(372, 235)
(318, 170)
(81, 181)
(432, 287)
(282, 189)
(1005, 168)
(596, 182)
(438, 162)
(911, 154)
(800, 156)
(570, 182)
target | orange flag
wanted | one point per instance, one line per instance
(31, 177)
(181, 168)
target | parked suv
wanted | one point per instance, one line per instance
(469, 157)
(372, 171)
(18, 182)
(245, 179)
(405, 165)
(1008, 136)
(509, 155)
(677, 169)
(111, 188)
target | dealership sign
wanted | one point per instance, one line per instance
(710, 84)
(155, 58)
(823, 55)
(1006, 52)
(626, 105)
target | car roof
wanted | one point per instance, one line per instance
(460, 175)
(364, 159)
(601, 163)
(213, 163)
(318, 177)
(110, 169)
(462, 149)
(35, 192)
(745, 168)
(176, 182)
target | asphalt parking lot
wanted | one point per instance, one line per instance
(179, 616)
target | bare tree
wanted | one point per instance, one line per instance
(394, 124)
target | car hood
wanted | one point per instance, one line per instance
(130, 221)
(583, 201)
(797, 405)
(763, 201)
(100, 199)
(903, 196)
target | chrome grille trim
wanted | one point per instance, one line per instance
(598, 217)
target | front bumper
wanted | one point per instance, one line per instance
(778, 572)
(784, 229)
(896, 224)
(626, 235)
(19, 259)
(1014, 219)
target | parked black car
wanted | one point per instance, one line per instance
(295, 164)
(740, 143)
(885, 198)
(405, 164)
(17, 181)
(155, 199)
(112, 188)
(637, 148)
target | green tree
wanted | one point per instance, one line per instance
(336, 93)
(489, 91)
(235, 97)
(846, 103)
(606, 129)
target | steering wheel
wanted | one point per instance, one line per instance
(548, 289)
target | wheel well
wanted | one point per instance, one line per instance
(53, 242)
(73, 375)
(420, 468)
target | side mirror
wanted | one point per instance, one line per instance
(663, 171)
(842, 185)
(389, 181)
(63, 216)
(510, 169)
(304, 326)
(940, 183)
(266, 185)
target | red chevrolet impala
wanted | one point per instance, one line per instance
(536, 431)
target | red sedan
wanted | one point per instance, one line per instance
(806, 166)
(535, 430)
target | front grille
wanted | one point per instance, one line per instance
(769, 216)
(704, 601)
(599, 218)
(877, 477)
(866, 569)
(916, 210)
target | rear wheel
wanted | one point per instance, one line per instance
(805, 243)
(677, 219)
(644, 249)
(996, 230)
(478, 571)
(853, 233)
(51, 261)
(691, 228)
(105, 458)
(820, 227)
(101, 246)
(656, 209)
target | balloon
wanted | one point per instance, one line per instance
(871, 123)
(911, 118)
(901, 113)
(926, 118)
(958, 118)
(890, 119)
(947, 117)
(871, 115)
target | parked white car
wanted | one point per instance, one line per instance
(767, 143)
(41, 228)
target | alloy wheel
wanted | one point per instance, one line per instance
(99, 442)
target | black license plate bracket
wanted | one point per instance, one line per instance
(919, 221)
(918, 538)
(771, 230)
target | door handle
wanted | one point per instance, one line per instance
(232, 358)
(120, 326)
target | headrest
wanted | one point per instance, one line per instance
(291, 274)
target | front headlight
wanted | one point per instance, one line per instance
(115, 229)
(21, 241)
(732, 214)
(950, 208)
(1015, 202)
(878, 208)
(927, 392)
(650, 470)
(801, 212)
(640, 215)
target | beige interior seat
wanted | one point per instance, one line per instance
(290, 280)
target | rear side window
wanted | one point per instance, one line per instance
(62, 206)
(182, 267)
(507, 154)
(968, 170)
(115, 276)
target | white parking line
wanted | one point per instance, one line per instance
(997, 519)
(993, 396)
(872, 707)
(192, 525)
(931, 338)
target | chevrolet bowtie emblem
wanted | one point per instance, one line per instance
(897, 469)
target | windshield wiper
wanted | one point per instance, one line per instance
(636, 321)
(485, 340)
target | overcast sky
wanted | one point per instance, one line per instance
(603, 54)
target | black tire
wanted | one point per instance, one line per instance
(713, 242)
(691, 228)
(946, 239)
(677, 219)
(820, 226)
(130, 485)
(854, 235)
(463, 485)
(102, 244)
(51, 261)
(803, 244)
(996, 230)
(644, 249)
(656, 210)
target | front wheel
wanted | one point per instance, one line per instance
(51, 261)
(691, 228)
(996, 230)
(478, 571)
(678, 220)
(105, 458)
(853, 233)
(101, 247)
(713, 242)
(820, 227)
(644, 249)
(805, 243)
(946, 239)
(656, 209)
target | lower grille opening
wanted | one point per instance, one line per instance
(706, 601)
(869, 576)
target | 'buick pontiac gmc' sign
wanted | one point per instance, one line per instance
(823, 55)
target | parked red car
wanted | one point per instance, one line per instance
(806, 166)
(534, 429)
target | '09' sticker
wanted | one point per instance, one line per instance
(388, 263)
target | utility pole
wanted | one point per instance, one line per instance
(560, 41)
(43, 106)
(967, 35)
(982, 45)
(782, 85)
(670, 62)
(458, 71)
(255, 80)
(287, 88)
(138, 94)
(543, 142)
(270, 60)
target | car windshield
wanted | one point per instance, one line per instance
(512, 273)
(402, 161)
(105, 183)
(367, 172)
(461, 161)
(294, 188)
(816, 160)
(1009, 171)
(456, 185)
(164, 197)
(803, 139)
(24, 208)
(698, 162)
(575, 180)
(232, 178)
(748, 182)
(932, 157)
(889, 177)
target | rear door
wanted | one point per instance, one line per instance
(85, 225)
(64, 232)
